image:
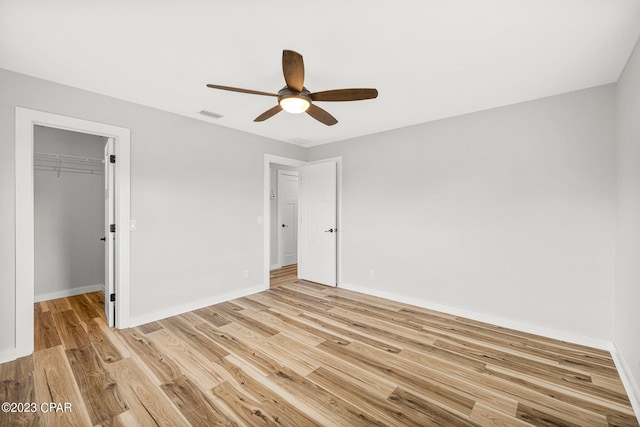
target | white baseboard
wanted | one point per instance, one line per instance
(195, 305)
(494, 320)
(275, 267)
(630, 385)
(69, 292)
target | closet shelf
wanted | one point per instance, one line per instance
(65, 163)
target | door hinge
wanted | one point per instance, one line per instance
(112, 297)
(112, 228)
(112, 158)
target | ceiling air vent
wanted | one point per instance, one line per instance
(299, 141)
(210, 114)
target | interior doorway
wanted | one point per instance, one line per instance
(287, 217)
(316, 242)
(69, 213)
(283, 223)
(26, 121)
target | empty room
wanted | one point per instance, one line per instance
(292, 213)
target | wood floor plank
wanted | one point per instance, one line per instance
(288, 274)
(332, 406)
(237, 316)
(104, 346)
(455, 402)
(531, 389)
(440, 386)
(483, 415)
(256, 340)
(305, 354)
(302, 298)
(147, 403)
(47, 335)
(59, 304)
(93, 381)
(233, 345)
(210, 315)
(55, 383)
(83, 308)
(70, 329)
(359, 330)
(384, 410)
(613, 384)
(282, 406)
(194, 404)
(426, 411)
(245, 408)
(189, 361)
(276, 304)
(538, 415)
(277, 322)
(249, 304)
(378, 385)
(16, 368)
(182, 328)
(41, 307)
(163, 367)
(523, 350)
(17, 385)
(149, 327)
(338, 335)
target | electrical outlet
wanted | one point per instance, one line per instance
(245, 274)
(372, 274)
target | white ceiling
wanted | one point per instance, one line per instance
(429, 59)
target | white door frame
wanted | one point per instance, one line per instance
(26, 119)
(270, 159)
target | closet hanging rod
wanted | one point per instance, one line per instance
(67, 163)
(46, 156)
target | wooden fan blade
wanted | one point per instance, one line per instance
(321, 115)
(293, 70)
(344, 95)
(269, 113)
(237, 89)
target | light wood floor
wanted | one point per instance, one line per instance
(303, 354)
(284, 275)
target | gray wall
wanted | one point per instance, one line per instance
(627, 290)
(68, 216)
(196, 193)
(509, 212)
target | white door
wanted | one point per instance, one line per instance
(287, 217)
(317, 242)
(110, 236)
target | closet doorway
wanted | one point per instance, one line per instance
(26, 122)
(73, 208)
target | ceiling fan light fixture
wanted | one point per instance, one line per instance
(294, 104)
(295, 98)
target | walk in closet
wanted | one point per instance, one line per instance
(69, 212)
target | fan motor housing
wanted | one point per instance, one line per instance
(285, 92)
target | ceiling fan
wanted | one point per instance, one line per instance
(295, 98)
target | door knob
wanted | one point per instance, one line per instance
(103, 239)
(331, 230)
(283, 226)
